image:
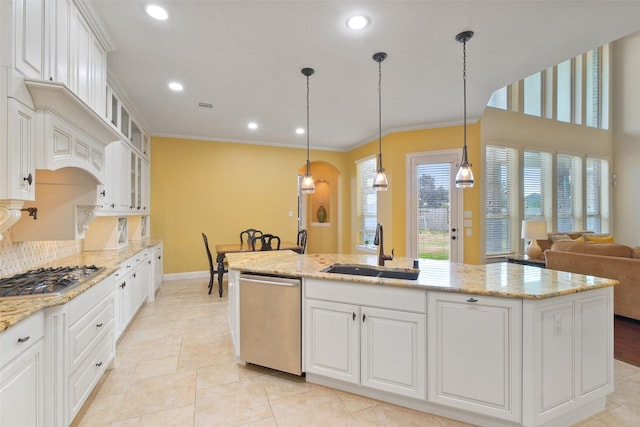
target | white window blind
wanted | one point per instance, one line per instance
(367, 201)
(569, 193)
(536, 185)
(597, 195)
(501, 199)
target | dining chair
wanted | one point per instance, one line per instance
(251, 234)
(212, 269)
(302, 240)
(266, 241)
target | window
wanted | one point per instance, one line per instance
(533, 95)
(563, 101)
(597, 194)
(574, 91)
(501, 212)
(367, 202)
(569, 192)
(537, 185)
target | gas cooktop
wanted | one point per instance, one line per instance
(49, 281)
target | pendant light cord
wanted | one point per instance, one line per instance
(307, 125)
(380, 115)
(464, 88)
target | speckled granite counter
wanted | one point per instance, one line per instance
(13, 310)
(499, 279)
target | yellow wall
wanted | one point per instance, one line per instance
(392, 204)
(220, 189)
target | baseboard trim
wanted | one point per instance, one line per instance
(188, 275)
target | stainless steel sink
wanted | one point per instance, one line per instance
(373, 271)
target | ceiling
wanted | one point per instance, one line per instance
(245, 57)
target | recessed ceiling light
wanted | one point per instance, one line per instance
(299, 131)
(157, 12)
(252, 125)
(357, 22)
(175, 86)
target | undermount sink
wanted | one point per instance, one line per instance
(372, 271)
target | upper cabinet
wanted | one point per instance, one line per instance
(130, 129)
(28, 48)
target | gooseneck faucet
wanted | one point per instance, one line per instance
(379, 241)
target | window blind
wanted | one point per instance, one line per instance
(501, 199)
(569, 192)
(367, 201)
(536, 185)
(597, 194)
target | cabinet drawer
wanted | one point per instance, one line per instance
(390, 297)
(83, 303)
(87, 331)
(84, 379)
(20, 336)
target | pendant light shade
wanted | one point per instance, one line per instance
(464, 177)
(307, 186)
(380, 182)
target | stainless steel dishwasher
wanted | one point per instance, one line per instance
(271, 322)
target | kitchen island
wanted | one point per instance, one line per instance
(496, 344)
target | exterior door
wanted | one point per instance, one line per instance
(434, 206)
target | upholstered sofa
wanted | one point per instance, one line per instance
(610, 260)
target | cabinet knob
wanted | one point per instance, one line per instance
(25, 339)
(99, 325)
(98, 364)
(472, 300)
(354, 315)
(103, 193)
(364, 316)
(29, 179)
(134, 275)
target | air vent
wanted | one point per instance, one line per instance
(205, 105)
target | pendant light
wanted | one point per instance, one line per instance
(464, 177)
(380, 182)
(307, 186)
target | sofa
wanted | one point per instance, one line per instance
(609, 260)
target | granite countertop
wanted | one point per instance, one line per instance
(14, 309)
(498, 279)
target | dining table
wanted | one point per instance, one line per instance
(225, 248)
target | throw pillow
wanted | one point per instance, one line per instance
(556, 237)
(579, 239)
(599, 238)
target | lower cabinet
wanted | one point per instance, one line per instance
(475, 353)
(383, 349)
(156, 270)
(22, 374)
(132, 283)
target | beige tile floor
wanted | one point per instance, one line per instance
(175, 367)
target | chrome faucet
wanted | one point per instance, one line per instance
(379, 241)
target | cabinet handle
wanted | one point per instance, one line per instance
(134, 275)
(113, 205)
(98, 364)
(25, 339)
(103, 193)
(364, 316)
(99, 325)
(472, 300)
(148, 262)
(354, 315)
(29, 179)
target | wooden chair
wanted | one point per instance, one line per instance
(212, 269)
(302, 240)
(251, 234)
(266, 241)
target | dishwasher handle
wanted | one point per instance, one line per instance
(268, 280)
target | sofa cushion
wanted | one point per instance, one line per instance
(605, 249)
(599, 238)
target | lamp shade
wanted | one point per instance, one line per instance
(534, 230)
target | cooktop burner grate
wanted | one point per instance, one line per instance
(46, 281)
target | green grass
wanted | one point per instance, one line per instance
(433, 245)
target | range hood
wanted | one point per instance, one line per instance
(59, 99)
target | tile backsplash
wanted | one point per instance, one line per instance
(19, 256)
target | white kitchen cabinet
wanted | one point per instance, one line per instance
(332, 340)
(566, 363)
(131, 288)
(20, 160)
(475, 353)
(28, 48)
(376, 338)
(233, 278)
(156, 271)
(22, 374)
